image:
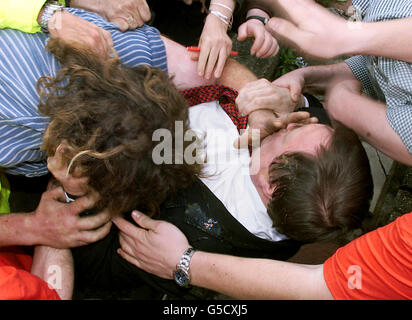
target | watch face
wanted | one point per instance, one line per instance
(181, 278)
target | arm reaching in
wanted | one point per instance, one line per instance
(318, 33)
(365, 116)
(264, 45)
(126, 14)
(157, 246)
(55, 223)
(55, 266)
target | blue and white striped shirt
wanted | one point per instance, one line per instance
(386, 79)
(23, 60)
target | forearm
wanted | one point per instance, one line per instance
(55, 266)
(282, 7)
(184, 70)
(235, 75)
(373, 39)
(318, 78)
(368, 119)
(17, 229)
(257, 278)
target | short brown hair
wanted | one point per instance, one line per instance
(323, 197)
(107, 113)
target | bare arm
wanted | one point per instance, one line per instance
(366, 117)
(55, 266)
(317, 32)
(243, 278)
(158, 247)
(54, 223)
(185, 75)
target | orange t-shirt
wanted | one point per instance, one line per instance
(377, 265)
(16, 281)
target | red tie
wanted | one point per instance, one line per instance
(226, 97)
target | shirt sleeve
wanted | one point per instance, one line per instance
(361, 5)
(399, 118)
(359, 67)
(21, 14)
(377, 265)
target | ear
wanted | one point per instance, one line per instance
(267, 189)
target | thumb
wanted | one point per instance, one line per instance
(242, 32)
(120, 23)
(295, 91)
(144, 221)
(284, 30)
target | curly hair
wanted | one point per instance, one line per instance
(107, 112)
(324, 197)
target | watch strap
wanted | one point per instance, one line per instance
(262, 19)
(184, 262)
(50, 8)
(181, 275)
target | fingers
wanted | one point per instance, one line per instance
(295, 91)
(121, 23)
(144, 221)
(144, 10)
(286, 31)
(127, 243)
(242, 32)
(141, 220)
(130, 14)
(259, 45)
(55, 194)
(302, 117)
(95, 221)
(223, 54)
(249, 137)
(203, 58)
(129, 258)
(90, 236)
(261, 94)
(107, 43)
(125, 226)
(211, 62)
(269, 48)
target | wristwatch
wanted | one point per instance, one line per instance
(264, 20)
(49, 9)
(181, 275)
